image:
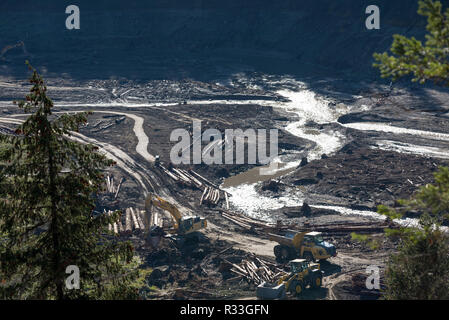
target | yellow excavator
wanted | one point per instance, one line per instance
(183, 225)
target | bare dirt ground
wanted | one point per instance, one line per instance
(357, 177)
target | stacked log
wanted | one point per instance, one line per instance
(128, 227)
(245, 221)
(182, 177)
(370, 227)
(133, 222)
(255, 270)
(156, 219)
(201, 178)
(170, 174)
(137, 222)
(210, 196)
(194, 180)
(140, 218)
(211, 193)
(331, 228)
(111, 188)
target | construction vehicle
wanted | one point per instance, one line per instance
(270, 291)
(307, 245)
(183, 225)
(302, 274)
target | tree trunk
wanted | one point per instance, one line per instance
(54, 218)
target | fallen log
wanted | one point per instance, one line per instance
(118, 188)
(139, 218)
(108, 183)
(134, 219)
(167, 172)
(204, 193)
(181, 176)
(196, 181)
(239, 273)
(243, 225)
(217, 197)
(204, 179)
(243, 271)
(128, 227)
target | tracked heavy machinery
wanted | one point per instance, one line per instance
(307, 245)
(183, 225)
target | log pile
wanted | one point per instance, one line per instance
(335, 228)
(111, 188)
(133, 222)
(255, 270)
(182, 177)
(246, 222)
(101, 125)
(346, 228)
(156, 219)
(212, 194)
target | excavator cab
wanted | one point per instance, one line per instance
(191, 224)
(183, 225)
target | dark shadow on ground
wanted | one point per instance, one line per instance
(329, 268)
(201, 40)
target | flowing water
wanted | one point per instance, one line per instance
(307, 106)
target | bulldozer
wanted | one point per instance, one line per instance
(183, 225)
(306, 245)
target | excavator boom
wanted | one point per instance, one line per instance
(182, 225)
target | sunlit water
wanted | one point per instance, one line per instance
(382, 127)
(308, 107)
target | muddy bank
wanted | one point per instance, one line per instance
(361, 177)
